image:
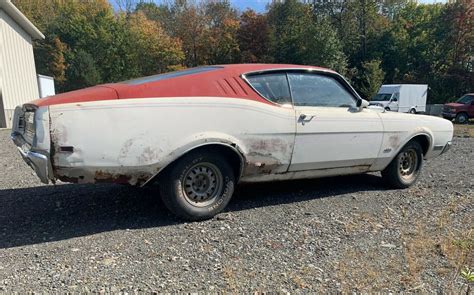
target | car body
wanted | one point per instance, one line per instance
(461, 110)
(403, 98)
(260, 120)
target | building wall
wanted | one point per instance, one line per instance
(18, 82)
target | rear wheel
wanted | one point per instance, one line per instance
(412, 111)
(462, 118)
(404, 170)
(198, 186)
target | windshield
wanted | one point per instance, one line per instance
(465, 99)
(382, 97)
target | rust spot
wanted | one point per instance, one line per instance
(260, 163)
(269, 145)
(106, 177)
(394, 141)
(149, 156)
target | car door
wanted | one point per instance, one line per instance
(330, 131)
(471, 107)
(393, 104)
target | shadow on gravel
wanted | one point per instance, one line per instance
(52, 213)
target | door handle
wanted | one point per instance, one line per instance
(303, 119)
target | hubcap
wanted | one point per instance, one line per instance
(462, 119)
(202, 184)
(407, 164)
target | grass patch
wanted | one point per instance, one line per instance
(465, 130)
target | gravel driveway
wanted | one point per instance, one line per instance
(337, 234)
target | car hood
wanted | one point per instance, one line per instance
(454, 104)
(416, 121)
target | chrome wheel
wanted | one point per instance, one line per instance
(202, 184)
(408, 163)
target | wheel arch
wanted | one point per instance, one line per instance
(424, 138)
(231, 151)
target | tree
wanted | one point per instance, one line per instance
(223, 24)
(302, 38)
(254, 37)
(154, 50)
(50, 59)
(370, 78)
(83, 70)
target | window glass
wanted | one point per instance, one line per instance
(465, 99)
(272, 86)
(170, 75)
(382, 97)
(309, 89)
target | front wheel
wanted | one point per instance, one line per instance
(405, 168)
(198, 186)
(462, 118)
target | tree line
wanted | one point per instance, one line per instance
(369, 41)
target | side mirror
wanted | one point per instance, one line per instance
(361, 104)
(394, 99)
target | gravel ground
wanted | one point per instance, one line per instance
(337, 234)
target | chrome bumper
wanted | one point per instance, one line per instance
(35, 159)
(447, 147)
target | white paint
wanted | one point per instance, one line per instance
(140, 136)
(46, 86)
(337, 135)
(404, 97)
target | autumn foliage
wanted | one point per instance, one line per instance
(369, 41)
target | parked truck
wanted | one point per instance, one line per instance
(461, 110)
(403, 98)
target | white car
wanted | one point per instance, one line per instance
(200, 131)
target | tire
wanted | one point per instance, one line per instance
(412, 111)
(387, 109)
(405, 168)
(462, 118)
(198, 186)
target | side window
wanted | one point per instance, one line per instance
(309, 89)
(272, 86)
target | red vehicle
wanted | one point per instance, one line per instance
(461, 110)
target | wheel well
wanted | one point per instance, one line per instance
(424, 141)
(232, 155)
(462, 112)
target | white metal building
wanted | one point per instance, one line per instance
(18, 82)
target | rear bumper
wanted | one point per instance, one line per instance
(37, 160)
(447, 147)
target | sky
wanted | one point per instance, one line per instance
(259, 5)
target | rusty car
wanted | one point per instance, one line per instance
(198, 132)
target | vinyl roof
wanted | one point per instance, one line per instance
(20, 19)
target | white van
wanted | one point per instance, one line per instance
(403, 98)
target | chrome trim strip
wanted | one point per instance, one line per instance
(447, 147)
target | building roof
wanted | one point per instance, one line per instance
(20, 19)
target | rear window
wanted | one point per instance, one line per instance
(170, 75)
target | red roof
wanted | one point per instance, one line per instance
(224, 81)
